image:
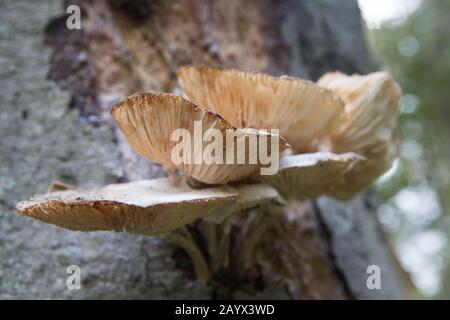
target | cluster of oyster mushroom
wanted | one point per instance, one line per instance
(335, 138)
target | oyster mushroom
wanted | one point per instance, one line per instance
(150, 207)
(342, 129)
(303, 111)
(368, 128)
(339, 114)
(311, 175)
(149, 122)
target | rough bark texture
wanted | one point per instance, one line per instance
(63, 130)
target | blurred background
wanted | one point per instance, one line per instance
(411, 40)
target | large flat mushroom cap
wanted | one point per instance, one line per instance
(156, 125)
(303, 111)
(311, 175)
(371, 110)
(151, 207)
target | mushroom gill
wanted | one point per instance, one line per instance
(303, 111)
(368, 128)
(149, 122)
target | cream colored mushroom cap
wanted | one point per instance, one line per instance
(151, 207)
(371, 110)
(149, 121)
(303, 111)
(311, 175)
(371, 107)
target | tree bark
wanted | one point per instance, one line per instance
(63, 130)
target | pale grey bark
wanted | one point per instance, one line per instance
(42, 140)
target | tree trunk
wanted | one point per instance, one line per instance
(63, 130)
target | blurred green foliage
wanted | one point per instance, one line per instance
(416, 199)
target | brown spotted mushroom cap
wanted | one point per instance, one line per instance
(151, 207)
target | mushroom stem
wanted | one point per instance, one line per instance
(211, 241)
(224, 242)
(257, 228)
(224, 252)
(183, 239)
